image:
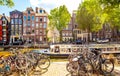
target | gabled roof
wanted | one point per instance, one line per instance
(6, 17)
(29, 9)
(15, 11)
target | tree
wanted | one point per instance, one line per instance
(8, 3)
(112, 9)
(110, 3)
(114, 21)
(59, 18)
(89, 16)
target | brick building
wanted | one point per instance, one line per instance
(35, 25)
(67, 34)
(16, 19)
(29, 24)
(4, 30)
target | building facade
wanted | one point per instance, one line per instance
(29, 24)
(4, 30)
(16, 19)
(0, 30)
(41, 25)
(35, 25)
(67, 34)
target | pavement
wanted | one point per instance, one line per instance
(59, 69)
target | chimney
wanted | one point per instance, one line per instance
(36, 9)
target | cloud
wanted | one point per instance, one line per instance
(34, 2)
(51, 4)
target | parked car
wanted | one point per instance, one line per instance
(78, 41)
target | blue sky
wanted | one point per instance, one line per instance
(21, 5)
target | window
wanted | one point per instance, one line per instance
(40, 25)
(40, 38)
(20, 21)
(3, 19)
(40, 19)
(28, 23)
(12, 21)
(24, 17)
(36, 19)
(44, 32)
(20, 27)
(16, 15)
(28, 18)
(45, 19)
(32, 17)
(32, 31)
(40, 32)
(28, 11)
(32, 24)
(37, 25)
(4, 22)
(12, 27)
(45, 25)
(4, 27)
(24, 24)
(16, 27)
(29, 29)
(16, 21)
(40, 10)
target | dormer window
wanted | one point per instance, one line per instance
(40, 11)
(29, 12)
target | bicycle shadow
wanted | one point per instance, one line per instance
(39, 72)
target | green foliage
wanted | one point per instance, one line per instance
(114, 18)
(110, 3)
(89, 16)
(59, 18)
(8, 3)
(112, 9)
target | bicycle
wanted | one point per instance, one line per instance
(100, 64)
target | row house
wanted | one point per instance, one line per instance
(29, 24)
(16, 19)
(41, 25)
(67, 34)
(35, 25)
(4, 30)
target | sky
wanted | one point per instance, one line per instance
(21, 5)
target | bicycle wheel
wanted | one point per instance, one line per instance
(107, 66)
(21, 63)
(44, 63)
(72, 67)
(86, 69)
